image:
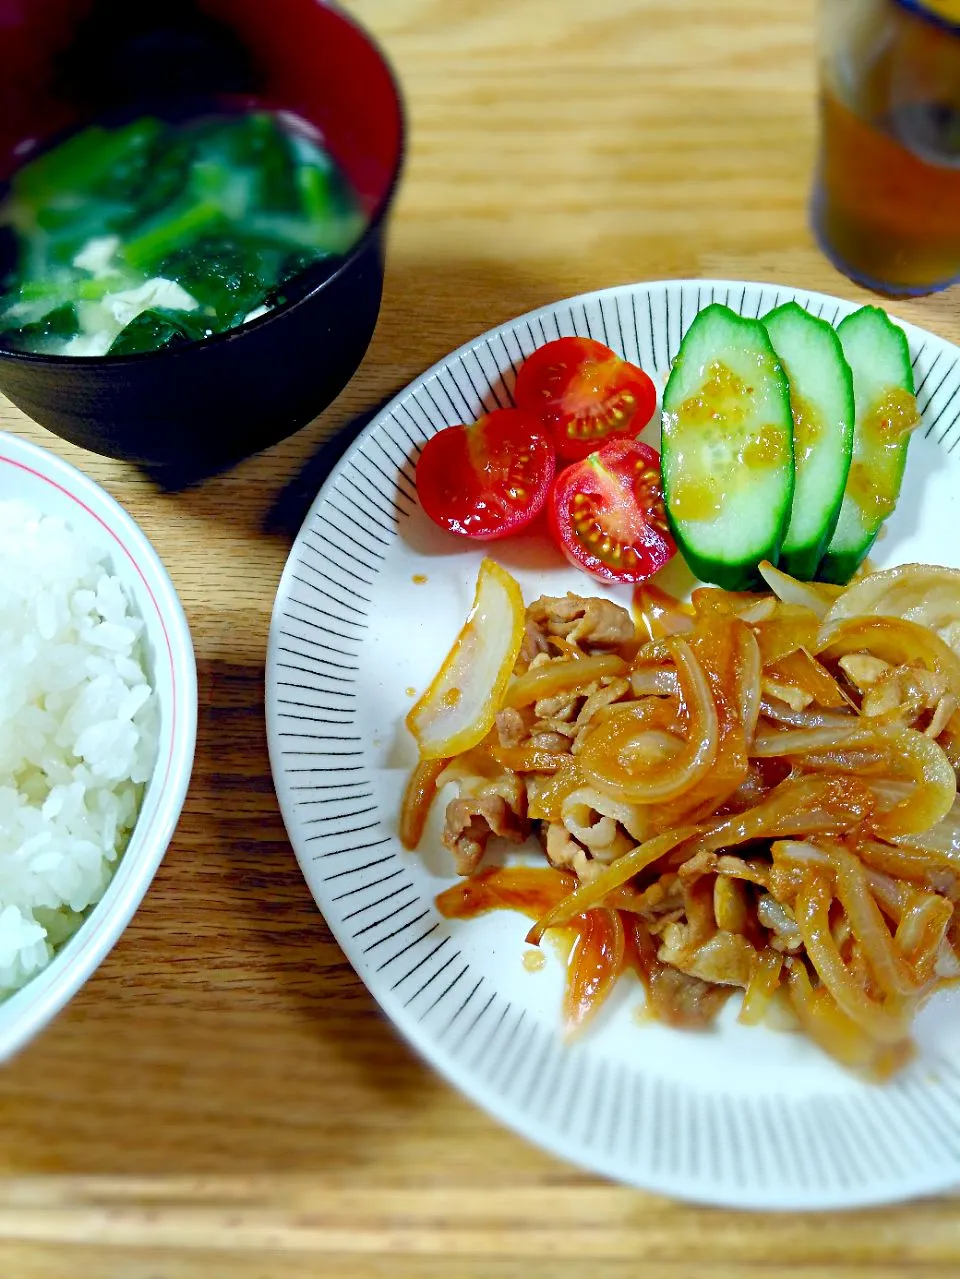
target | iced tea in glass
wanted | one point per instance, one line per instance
(886, 205)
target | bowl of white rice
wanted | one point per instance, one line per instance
(98, 715)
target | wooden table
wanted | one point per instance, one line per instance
(224, 1097)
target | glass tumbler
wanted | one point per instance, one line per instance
(886, 201)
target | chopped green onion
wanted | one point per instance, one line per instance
(153, 244)
(82, 161)
(316, 196)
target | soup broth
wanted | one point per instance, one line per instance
(139, 236)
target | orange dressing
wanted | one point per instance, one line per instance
(721, 398)
(697, 498)
(720, 411)
(768, 449)
(874, 483)
(807, 426)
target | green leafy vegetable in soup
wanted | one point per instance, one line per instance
(144, 236)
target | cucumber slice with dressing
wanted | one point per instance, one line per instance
(727, 452)
(821, 398)
(886, 413)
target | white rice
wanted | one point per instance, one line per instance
(78, 733)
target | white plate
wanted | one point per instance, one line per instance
(738, 1116)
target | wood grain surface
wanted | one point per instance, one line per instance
(224, 1097)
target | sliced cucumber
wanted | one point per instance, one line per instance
(886, 413)
(821, 399)
(727, 448)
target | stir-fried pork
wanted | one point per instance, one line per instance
(590, 623)
(470, 823)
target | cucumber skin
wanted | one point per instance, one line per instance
(804, 564)
(838, 567)
(804, 561)
(738, 575)
(732, 577)
(840, 563)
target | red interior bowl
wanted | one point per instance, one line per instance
(66, 62)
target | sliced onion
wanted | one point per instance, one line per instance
(935, 781)
(894, 897)
(800, 670)
(816, 596)
(764, 980)
(944, 838)
(808, 741)
(861, 762)
(791, 628)
(942, 719)
(596, 962)
(661, 614)
(598, 831)
(458, 709)
(775, 916)
(948, 964)
(921, 933)
(545, 794)
(528, 759)
(554, 678)
(888, 1022)
(893, 639)
(907, 751)
(868, 924)
(798, 806)
(836, 1034)
(929, 868)
(749, 672)
(417, 798)
(923, 593)
(625, 759)
(837, 722)
(714, 601)
(630, 816)
(761, 609)
(654, 681)
(799, 854)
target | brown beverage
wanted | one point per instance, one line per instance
(887, 207)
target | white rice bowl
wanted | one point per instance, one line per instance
(90, 870)
(79, 726)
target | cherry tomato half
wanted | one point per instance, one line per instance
(585, 393)
(606, 513)
(489, 478)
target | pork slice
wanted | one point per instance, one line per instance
(470, 824)
(511, 727)
(681, 1000)
(534, 643)
(589, 622)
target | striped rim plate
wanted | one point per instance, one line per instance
(370, 600)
